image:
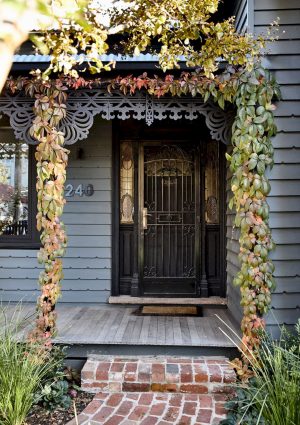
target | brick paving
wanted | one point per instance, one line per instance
(153, 409)
(156, 390)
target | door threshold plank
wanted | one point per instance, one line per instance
(127, 299)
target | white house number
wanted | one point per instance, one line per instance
(80, 190)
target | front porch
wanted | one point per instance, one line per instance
(111, 329)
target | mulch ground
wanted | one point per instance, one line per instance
(41, 416)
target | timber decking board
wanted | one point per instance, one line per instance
(115, 325)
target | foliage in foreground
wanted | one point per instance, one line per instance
(23, 366)
(60, 385)
(272, 396)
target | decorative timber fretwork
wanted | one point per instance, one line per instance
(84, 105)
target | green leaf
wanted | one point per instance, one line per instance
(252, 164)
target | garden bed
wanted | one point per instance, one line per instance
(60, 416)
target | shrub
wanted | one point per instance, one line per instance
(272, 396)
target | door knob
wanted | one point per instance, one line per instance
(145, 219)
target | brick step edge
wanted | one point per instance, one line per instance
(153, 409)
(192, 375)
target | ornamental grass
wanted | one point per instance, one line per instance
(23, 366)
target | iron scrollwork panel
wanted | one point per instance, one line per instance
(169, 196)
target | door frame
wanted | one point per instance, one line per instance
(198, 213)
(134, 287)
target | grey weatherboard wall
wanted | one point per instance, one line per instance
(87, 264)
(283, 59)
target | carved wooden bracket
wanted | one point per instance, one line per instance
(84, 105)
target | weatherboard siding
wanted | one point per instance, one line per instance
(87, 264)
(283, 60)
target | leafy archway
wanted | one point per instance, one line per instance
(251, 92)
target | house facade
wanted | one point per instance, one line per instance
(148, 187)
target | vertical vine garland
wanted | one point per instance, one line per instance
(252, 155)
(52, 159)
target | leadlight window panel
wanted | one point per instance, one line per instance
(17, 192)
(126, 182)
(212, 183)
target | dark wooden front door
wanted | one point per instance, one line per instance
(169, 218)
(169, 197)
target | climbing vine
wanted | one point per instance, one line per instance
(52, 159)
(252, 93)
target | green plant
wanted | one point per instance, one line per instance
(55, 394)
(23, 366)
(272, 396)
(59, 386)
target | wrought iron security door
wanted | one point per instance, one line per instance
(169, 218)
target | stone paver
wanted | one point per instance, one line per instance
(153, 409)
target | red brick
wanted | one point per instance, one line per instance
(220, 409)
(150, 420)
(87, 374)
(138, 413)
(193, 389)
(115, 386)
(201, 374)
(101, 375)
(158, 372)
(124, 408)
(221, 397)
(135, 387)
(157, 409)
(164, 388)
(229, 377)
(178, 360)
(114, 420)
(215, 374)
(146, 399)
(144, 372)
(114, 400)
(130, 367)
(93, 407)
(204, 416)
(172, 414)
(205, 401)
(103, 414)
(100, 386)
(189, 408)
(175, 400)
(191, 397)
(132, 396)
(185, 420)
(186, 374)
(117, 367)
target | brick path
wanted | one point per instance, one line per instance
(156, 390)
(153, 409)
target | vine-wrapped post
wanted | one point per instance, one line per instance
(252, 155)
(52, 159)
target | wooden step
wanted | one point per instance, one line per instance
(128, 300)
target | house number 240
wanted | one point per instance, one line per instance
(80, 190)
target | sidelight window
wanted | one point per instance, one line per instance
(212, 183)
(126, 182)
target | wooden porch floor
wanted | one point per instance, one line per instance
(118, 325)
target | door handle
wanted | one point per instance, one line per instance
(145, 219)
